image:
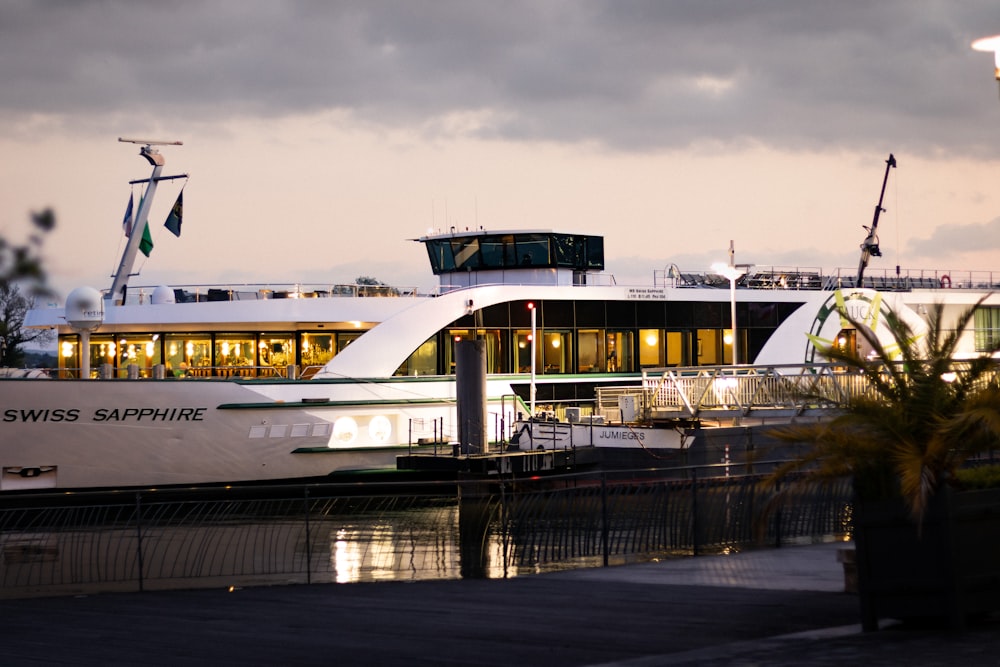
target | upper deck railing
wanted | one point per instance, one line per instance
(265, 291)
(812, 278)
(767, 278)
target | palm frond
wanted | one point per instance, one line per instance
(925, 415)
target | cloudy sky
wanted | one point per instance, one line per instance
(320, 136)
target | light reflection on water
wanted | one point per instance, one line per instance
(350, 539)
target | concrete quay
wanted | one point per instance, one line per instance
(777, 607)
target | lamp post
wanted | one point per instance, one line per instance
(531, 307)
(988, 44)
(732, 272)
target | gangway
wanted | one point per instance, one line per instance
(734, 394)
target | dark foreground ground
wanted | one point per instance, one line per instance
(778, 607)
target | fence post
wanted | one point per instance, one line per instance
(138, 534)
(309, 560)
(694, 511)
(777, 516)
(605, 546)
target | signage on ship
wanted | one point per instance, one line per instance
(643, 293)
(118, 414)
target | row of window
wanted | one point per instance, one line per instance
(205, 354)
(507, 351)
(580, 351)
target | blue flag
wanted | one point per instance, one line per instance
(127, 222)
(175, 218)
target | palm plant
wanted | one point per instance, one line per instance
(924, 416)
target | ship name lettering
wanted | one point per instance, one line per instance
(149, 414)
(622, 435)
(41, 415)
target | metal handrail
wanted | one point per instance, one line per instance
(787, 389)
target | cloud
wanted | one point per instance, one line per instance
(953, 239)
(626, 75)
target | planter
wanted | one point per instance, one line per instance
(947, 570)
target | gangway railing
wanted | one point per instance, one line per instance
(775, 391)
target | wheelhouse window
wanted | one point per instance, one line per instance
(464, 252)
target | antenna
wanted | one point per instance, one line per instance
(150, 142)
(116, 295)
(870, 247)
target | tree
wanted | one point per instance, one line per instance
(21, 266)
(14, 306)
(926, 414)
(369, 286)
(23, 263)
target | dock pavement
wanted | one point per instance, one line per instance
(775, 607)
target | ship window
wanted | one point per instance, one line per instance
(533, 250)
(188, 354)
(986, 324)
(710, 348)
(316, 349)
(103, 350)
(676, 353)
(276, 352)
(651, 347)
(69, 356)
(466, 252)
(345, 339)
(492, 343)
(591, 357)
(423, 361)
(235, 350)
(140, 350)
(491, 250)
(590, 313)
(620, 352)
(595, 252)
(439, 253)
(454, 335)
(522, 351)
(556, 351)
(565, 250)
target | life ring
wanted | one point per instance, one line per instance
(945, 281)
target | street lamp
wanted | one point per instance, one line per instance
(990, 44)
(732, 272)
(534, 331)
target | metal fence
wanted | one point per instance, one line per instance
(83, 543)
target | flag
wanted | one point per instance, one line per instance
(146, 244)
(127, 222)
(174, 220)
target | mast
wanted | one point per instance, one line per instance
(116, 295)
(870, 248)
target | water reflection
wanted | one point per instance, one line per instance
(370, 539)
